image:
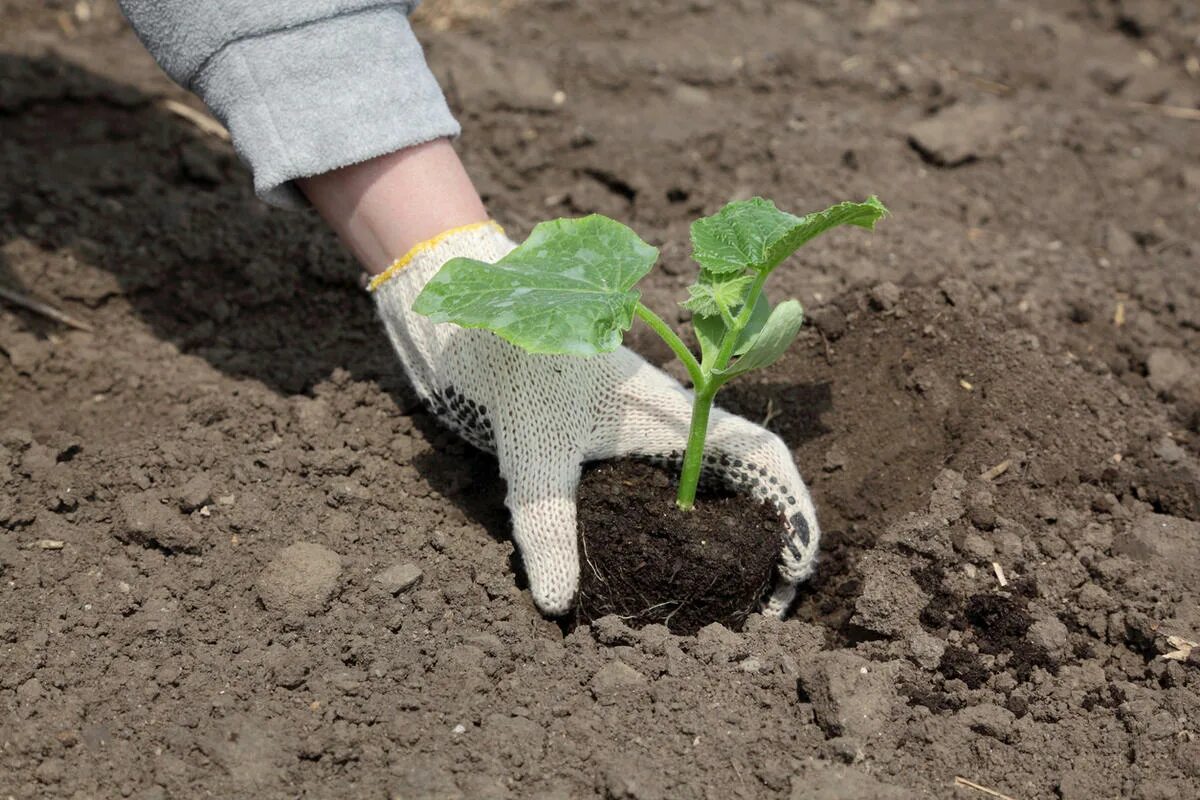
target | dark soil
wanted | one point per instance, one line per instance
(278, 577)
(646, 561)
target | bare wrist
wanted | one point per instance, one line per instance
(381, 208)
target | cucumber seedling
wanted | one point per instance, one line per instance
(569, 290)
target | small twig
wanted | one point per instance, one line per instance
(995, 87)
(961, 781)
(67, 25)
(51, 544)
(38, 307)
(201, 121)
(1175, 112)
(999, 570)
(1164, 246)
(737, 771)
(771, 412)
(828, 351)
(996, 471)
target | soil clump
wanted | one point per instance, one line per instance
(647, 561)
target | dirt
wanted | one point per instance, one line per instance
(237, 557)
(647, 562)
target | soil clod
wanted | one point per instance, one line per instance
(399, 578)
(647, 561)
(302, 578)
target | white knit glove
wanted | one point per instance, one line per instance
(544, 416)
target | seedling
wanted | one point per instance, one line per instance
(568, 290)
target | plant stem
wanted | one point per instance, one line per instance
(706, 390)
(675, 343)
(725, 314)
(705, 385)
(693, 457)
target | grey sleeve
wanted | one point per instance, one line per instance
(304, 86)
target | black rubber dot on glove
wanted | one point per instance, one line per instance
(463, 416)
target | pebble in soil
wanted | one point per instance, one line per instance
(647, 561)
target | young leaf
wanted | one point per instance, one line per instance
(754, 234)
(758, 319)
(772, 341)
(708, 295)
(568, 290)
(710, 331)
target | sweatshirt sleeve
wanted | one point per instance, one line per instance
(304, 86)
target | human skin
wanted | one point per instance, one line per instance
(381, 208)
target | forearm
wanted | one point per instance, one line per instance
(304, 86)
(382, 207)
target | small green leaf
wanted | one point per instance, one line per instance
(772, 341)
(754, 234)
(568, 290)
(707, 296)
(758, 319)
(710, 331)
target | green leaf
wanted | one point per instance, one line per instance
(772, 341)
(568, 290)
(758, 319)
(710, 331)
(707, 296)
(754, 234)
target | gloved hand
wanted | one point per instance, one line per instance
(544, 416)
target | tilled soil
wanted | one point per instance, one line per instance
(236, 557)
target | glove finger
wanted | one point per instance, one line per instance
(541, 498)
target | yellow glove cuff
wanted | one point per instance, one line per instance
(399, 264)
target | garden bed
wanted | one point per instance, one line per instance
(995, 407)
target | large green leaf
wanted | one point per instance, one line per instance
(567, 290)
(772, 341)
(754, 234)
(710, 330)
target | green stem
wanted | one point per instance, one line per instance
(725, 315)
(675, 343)
(693, 457)
(705, 385)
(706, 390)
